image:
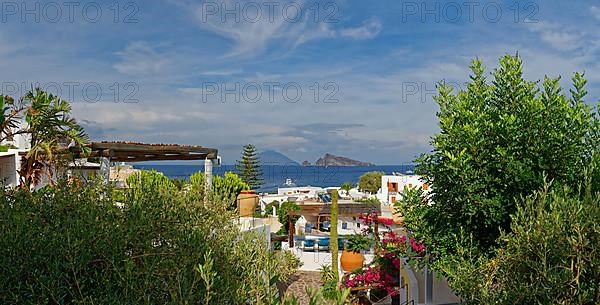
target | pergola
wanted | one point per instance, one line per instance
(140, 152)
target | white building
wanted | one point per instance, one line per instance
(10, 160)
(302, 192)
(393, 185)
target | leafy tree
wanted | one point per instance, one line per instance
(370, 182)
(52, 130)
(248, 168)
(550, 256)
(498, 141)
(347, 186)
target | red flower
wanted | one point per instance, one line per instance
(396, 263)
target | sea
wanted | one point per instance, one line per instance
(276, 175)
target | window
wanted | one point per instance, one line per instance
(425, 186)
(393, 199)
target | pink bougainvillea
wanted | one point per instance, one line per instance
(384, 271)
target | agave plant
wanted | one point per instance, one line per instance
(52, 131)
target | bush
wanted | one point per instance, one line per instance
(551, 255)
(330, 290)
(327, 273)
(358, 242)
(370, 182)
(228, 186)
(74, 245)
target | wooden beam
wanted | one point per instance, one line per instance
(136, 152)
(127, 158)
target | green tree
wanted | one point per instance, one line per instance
(498, 141)
(550, 256)
(248, 168)
(346, 187)
(52, 130)
(370, 182)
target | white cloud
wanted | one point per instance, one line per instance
(368, 30)
(595, 11)
(140, 116)
(254, 26)
(556, 35)
(140, 59)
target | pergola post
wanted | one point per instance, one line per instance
(105, 169)
(208, 167)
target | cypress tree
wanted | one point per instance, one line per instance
(248, 168)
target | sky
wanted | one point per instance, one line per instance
(351, 78)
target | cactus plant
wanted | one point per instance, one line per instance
(333, 236)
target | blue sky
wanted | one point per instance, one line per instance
(162, 66)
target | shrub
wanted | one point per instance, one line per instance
(149, 181)
(327, 273)
(370, 182)
(330, 290)
(358, 242)
(74, 245)
(551, 255)
(228, 186)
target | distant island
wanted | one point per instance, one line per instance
(271, 157)
(332, 160)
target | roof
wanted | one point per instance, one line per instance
(137, 152)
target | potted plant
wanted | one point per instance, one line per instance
(352, 257)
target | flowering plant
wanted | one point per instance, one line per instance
(383, 273)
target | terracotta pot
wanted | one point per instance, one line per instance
(247, 203)
(351, 260)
